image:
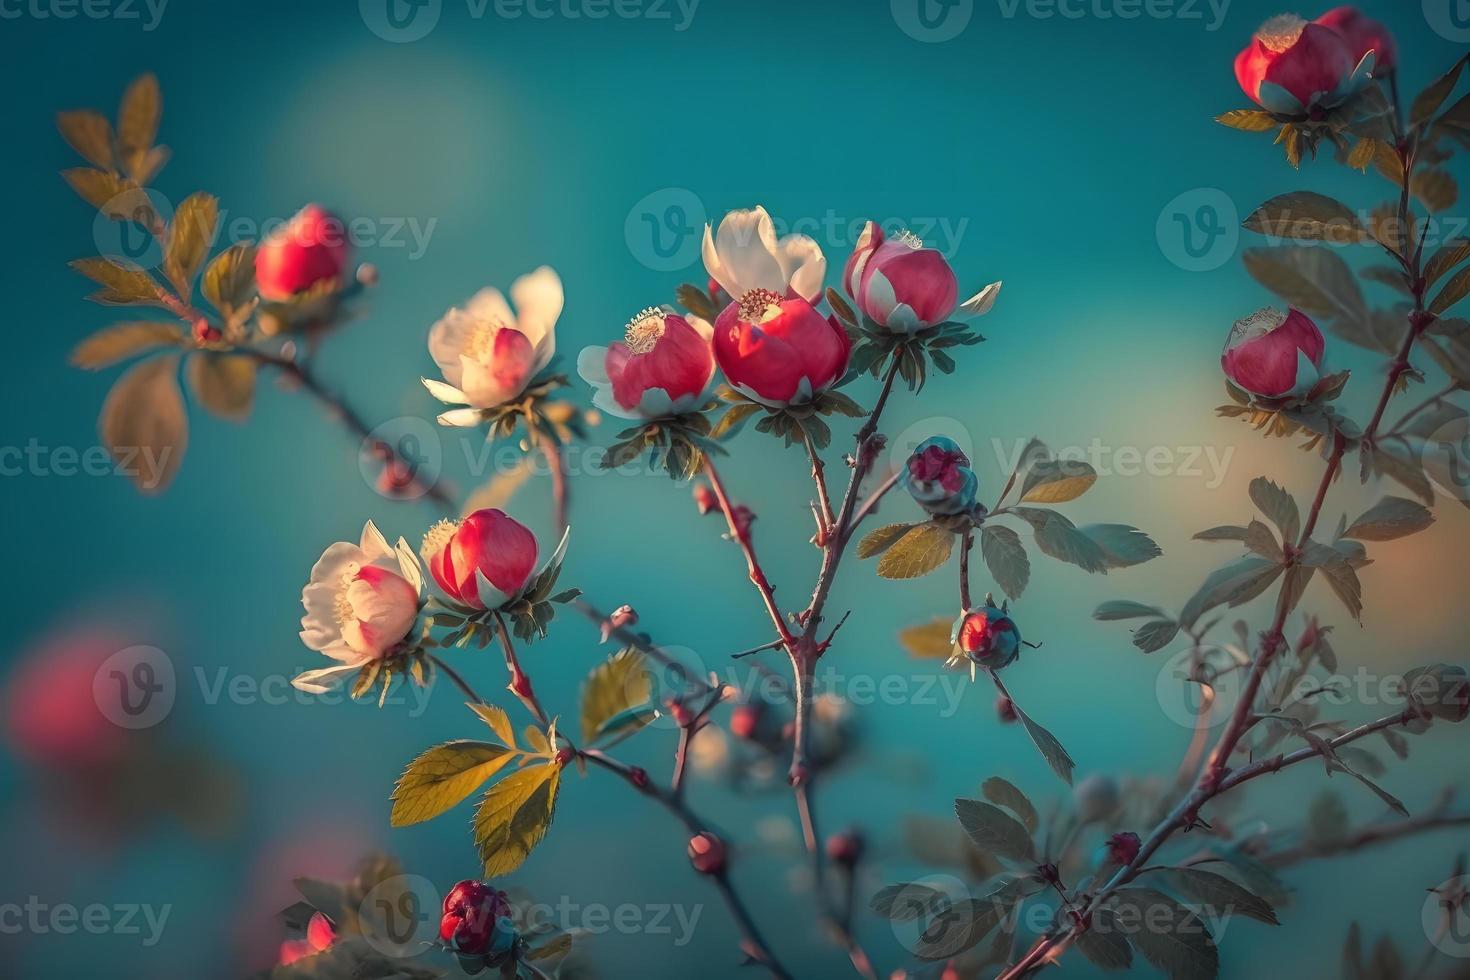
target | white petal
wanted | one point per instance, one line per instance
(712, 263)
(489, 304)
(326, 679)
(408, 565)
(804, 265)
(374, 545)
(881, 298)
(463, 417)
(447, 339)
(981, 302)
(602, 398)
(556, 556)
(903, 319)
(747, 246)
(1277, 99)
(448, 394)
(592, 366)
(490, 596)
(539, 299)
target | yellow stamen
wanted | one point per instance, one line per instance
(1281, 32)
(437, 538)
(759, 305)
(908, 238)
(480, 344)
(643, 331)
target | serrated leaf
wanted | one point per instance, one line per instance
(514, 816)
(137, 123)
(1451, 254)
(1154, 636)
(1103, 945)
(1221, 895)
(188, 239)
(123, 340)
(122, 285)
(230, 277)
(1006, 558)
(995, 831)
(1306, 216)
(881, 539)
(1055, 481)
(1060, 538)
(1123, 546)
(1260, 539)
(1115, 609)
(499, 722)
(1006, 794)
(443, 777)
(1338, 573)
(223, 383)
(90, 134)
(1314, 280)
(920, 551)
(1454, 290)
(1391, 517)
(143, 423)
(618, 684)
(963, 925)
(1169, 936)
(1234, 584)
(929, 640)
(1248, 120)
(1278, 505)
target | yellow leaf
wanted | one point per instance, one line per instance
(89, 133)
(442, 777)
(1056, 481)
(537, 741)
(223, 383)
(498, 721)
(619, 683)
(881, 538)
(99, 189)
(189, 236)
(122, 340)
(123, 285)
(143, 423)
(229, 279)
(137, 122)
(919, 552)
(514, 816)
(929, 639)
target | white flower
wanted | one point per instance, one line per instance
(361, 602)
(745, 255)
(488, 354)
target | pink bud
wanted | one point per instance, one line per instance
(779, 351)
(320, 932)
(745, 720)
(846, 848)
(471, 910)
(663, 367)
(1293, 67)
(707, 853)
(989, 637)
(704, 498)
(1124, 847)
(1363, 34)
(489, 542)
(898, 283)
(1274, 354)
(309, 250)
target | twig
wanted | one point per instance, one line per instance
(967, 541)
(459, 681)
(819, 477)
(740, 533)
(557, 465)
(653, 652)
(520, 682)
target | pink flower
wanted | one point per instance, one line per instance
(1123, 848)
(1292, 67)
(745, 255)
(662, 367)
(903, 286)
(1274, 354)
(309, 251)
(988, 636)
(1363, 34)
(487, 354)
(361, 602)
(779, 351)
(482, 561)
(49, 707)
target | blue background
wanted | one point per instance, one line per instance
(1062, 144)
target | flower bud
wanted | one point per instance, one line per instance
(846, 848)
(1005, 710)
(367, 275)
(1362, 35)
(663, 367)
(779, 351)
(1273, 354)
(898, 283)
(1296, 68)
(988, 636)
(471, 916)
(707, 853)
(745, 720)
(1096, 798)
(1123, 848)
(309, 251)
(939, 477)
(482, 561)
(704, 498)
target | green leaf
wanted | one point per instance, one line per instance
(1006, 794)
(1262, 540)
(1314, 280)
(1005, 556)
(907, 902)
(1391, 517)
(613, 687)
(1278, 505)
(960, 927)
(223, 383)
(443, 777)
(1168, 935)
(1059, 537)
(1051, 748)
(920, 551)
(995, 831)
(1221, 894)
(881, 539)
(514, 815)
(1153, 636)
(836, 401)
(1427, 102)
(144, 425)
(1306, 216)
(1235, 584)
(1225, 532)
(1055, 481)
(123, 340)
(1339, 574)
(498, 721)
(928, 640)
(1103, 945)
(123, 285)
(90, 134)
(1115, 609)
(734, 415)
(188, 239)
(1122, 546)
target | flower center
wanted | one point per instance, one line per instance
(437, 538)
(908, 238)
(1258, 323)
(759, 305)
(480, 344)
(342, 608)
(643, 331)
(1281, 32)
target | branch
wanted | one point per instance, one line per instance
(740, 533)
(520, 682)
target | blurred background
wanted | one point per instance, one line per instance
(1070, 151)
